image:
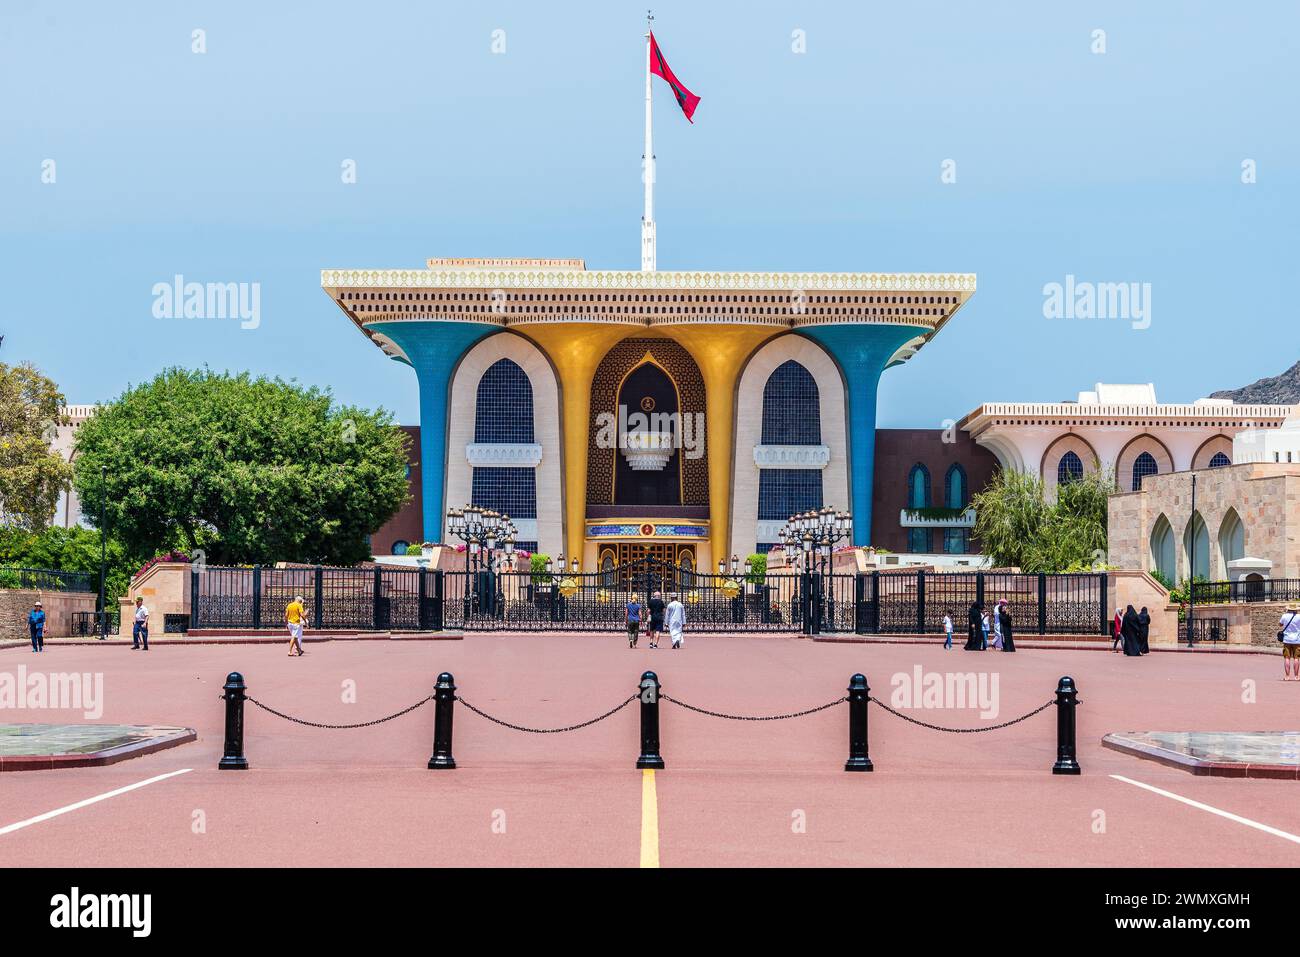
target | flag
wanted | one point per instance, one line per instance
(687, 100)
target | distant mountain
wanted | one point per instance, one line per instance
(1281, 389)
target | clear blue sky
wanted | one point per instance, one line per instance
(225, 166)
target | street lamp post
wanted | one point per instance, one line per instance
(1191, 577)
(103, 551)
(808, 540)
(482, 530)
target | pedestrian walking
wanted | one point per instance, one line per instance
(947, 630)
(295, 616)
(633, 622)
(973, 627)
(140, 626)
(1290, 638)
(36, 626)
(656, 625)
(1004, 616)
(675, 620)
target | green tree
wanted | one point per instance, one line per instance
(248, 470)
(1015, 525)
(73, 549)
(1008, 515)
(32, 474)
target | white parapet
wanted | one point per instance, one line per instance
(792, 456)
(504, 454)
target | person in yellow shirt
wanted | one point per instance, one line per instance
(295, 615)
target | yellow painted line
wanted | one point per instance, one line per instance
(649, 820)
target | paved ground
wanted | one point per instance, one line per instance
(733, 793)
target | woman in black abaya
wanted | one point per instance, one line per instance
(1144, 630)
(1004, 618)
(1130, 629)
(974, 632)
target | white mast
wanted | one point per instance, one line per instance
(648, 168)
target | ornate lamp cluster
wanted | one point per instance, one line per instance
(487, 534)
(735, 567)
(812, 535)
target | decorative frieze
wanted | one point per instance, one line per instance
(792, 456)
(504, 454)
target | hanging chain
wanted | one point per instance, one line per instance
(317, 724)
(573, 727)
(746, 717)
(937, 727)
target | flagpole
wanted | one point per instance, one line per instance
(648, 167)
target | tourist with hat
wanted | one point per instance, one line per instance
(140, 626)
(1290, 638)
(36, 625)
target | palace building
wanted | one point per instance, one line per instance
(614, 414)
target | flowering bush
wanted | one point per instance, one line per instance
(172, 556)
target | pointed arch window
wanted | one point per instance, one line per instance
(1069, 469)
(918, 487)
(955, 487)
(1143, 465)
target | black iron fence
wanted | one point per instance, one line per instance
(85, 623)
(1264, 589)
(478, 599)
(598, 601)
(47, 579)
(916, 602)
(1204, 629)
(381, 598)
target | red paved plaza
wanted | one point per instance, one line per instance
(733, 793)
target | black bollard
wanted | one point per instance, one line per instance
(444, 700)
(649, 688)
(1067, 699)
(233, 759)
(858, 697)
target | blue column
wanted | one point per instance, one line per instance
(434, 348)
(862, 352)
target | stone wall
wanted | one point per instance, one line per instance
(1124, 588)
(1265, 496)
(59, 606)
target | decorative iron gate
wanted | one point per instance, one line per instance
(597, 601)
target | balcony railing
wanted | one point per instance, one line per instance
(937, 518)
(1267, 589)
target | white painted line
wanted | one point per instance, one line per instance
(10, 828)
(1285, 835)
